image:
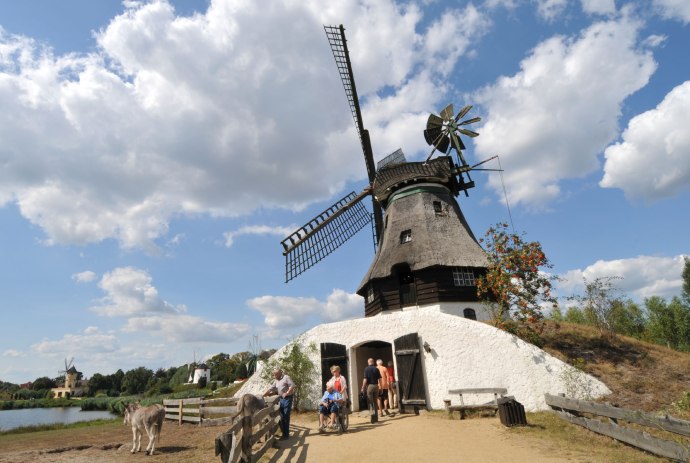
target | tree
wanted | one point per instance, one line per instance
(43, 383)
(99, 383)
(514, 284)
(599, 303)
(297, 364)
(669, 324)
(136, 381)
(628, 319)
(686, 281)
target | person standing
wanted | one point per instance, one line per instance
(383, 387)
(370, 385)
(285, 388)
(338, 382)
(392, 386)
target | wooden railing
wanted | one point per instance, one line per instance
(237, 443)
(205, 412)
(676, 449)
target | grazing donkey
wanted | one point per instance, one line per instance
(149, 419)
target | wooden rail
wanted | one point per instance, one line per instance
(205, 412)
(239, 441)
(677, 449)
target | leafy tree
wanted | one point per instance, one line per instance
(98, 383)
(297, 364)
(556, 314)
(202, 383)
(686, 281)
(514, 283)
(628, 318)
(116, 380)
(137, 380)
(575, 315)
(599, 303)
(669, 324)
(180, 376)
(43, 383)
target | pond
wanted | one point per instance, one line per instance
(10, 419)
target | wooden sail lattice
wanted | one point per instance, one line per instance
(322, 235)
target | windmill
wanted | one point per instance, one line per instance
(70, 373)
(425, 250)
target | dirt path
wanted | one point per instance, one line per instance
(427, 437)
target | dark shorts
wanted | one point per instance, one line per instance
(383, 393)
(332, 408)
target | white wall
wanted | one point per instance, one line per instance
(464, 354)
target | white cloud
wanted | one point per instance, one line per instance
(674, 9)
(550, 121)
(129, 292)
(257, 230)
(652, 162)
(550, 9)
(283, 312)
(215, 114)
(81, 344)
(86, 276)
(13, 353)
(186, 329)
(598, 6)
(642, 276)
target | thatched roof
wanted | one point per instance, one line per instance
(438, 238)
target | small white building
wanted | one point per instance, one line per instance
(433, 352)
(196, 372)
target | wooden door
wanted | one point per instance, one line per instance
(332, 354)
(411, 390)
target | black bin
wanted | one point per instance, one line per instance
(511, 412)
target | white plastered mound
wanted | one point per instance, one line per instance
(464, 354)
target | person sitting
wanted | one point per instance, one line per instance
(329, 405)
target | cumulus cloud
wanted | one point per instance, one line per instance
(673, 9)
(550, 121)
(91, 343)
(186, 329)
(599, 6)
(651, 162)
(129, 292)
(13, 353)
(641, 277)
(257, 230)
(86, 276)
(283, 312)
(215, 114)
(550, 9)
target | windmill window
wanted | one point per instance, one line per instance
(463, 277)
(370, 294)
(438, 209)
(405, 236)
(470, 314)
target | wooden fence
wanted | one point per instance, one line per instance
(237, 443)
(205, 412)
(677, 449)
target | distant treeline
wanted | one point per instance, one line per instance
(143, 381)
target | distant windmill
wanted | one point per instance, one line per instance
(70, 373)
(426, 252)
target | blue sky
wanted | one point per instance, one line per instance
(153, 154)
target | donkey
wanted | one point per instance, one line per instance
(149, 419)
(249, 404)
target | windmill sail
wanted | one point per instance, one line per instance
(336, 39)
(322, 235)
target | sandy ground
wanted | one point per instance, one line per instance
(427, 437)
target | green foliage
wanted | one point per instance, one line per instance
(575, 315)
(514, 283)
(37, 403)
(669, 324)
(628, 319)
(599, 303)
(43, 383)
(685, 295)
(136, 381)
(576, 385)
(297, 364)
(201, 384)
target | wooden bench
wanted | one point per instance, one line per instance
(464, 408)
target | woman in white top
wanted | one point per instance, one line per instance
(338, 381)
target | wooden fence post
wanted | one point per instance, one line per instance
(180, 411)
(247, 439)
